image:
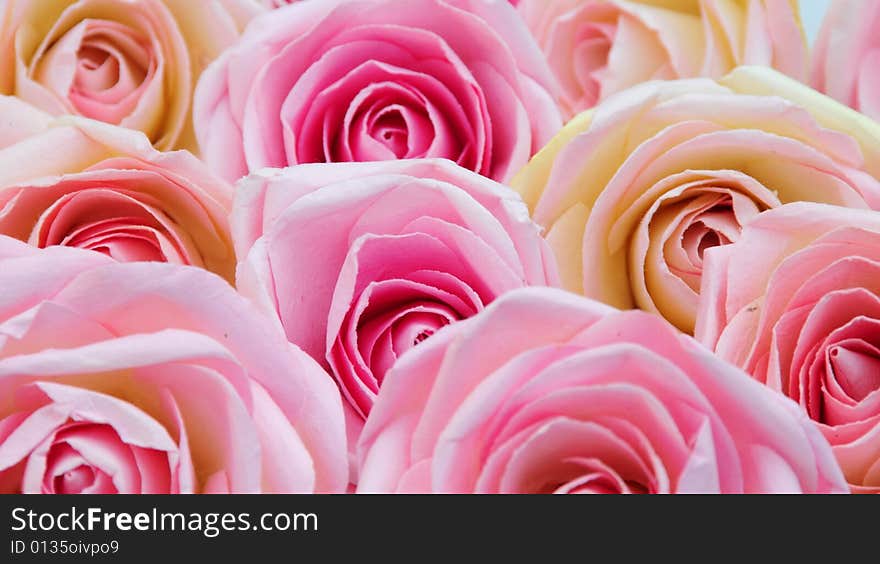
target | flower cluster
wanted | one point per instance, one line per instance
(451, 246)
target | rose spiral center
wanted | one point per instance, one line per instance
(114, 62)
(406, 329)
(422, 336)
(856, 371)
(80, 459)
(111, 221)
(389, 318)
(390, 128)
(685, 215)
(389, 122)
(75, 481)
(97, 71)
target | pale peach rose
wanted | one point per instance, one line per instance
(597, 48)
(76, 182)
(632, 193)
(156, 379)
(128, 62)
(796, 304)
(846, 60)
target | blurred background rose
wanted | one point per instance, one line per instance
(597, 48)
(847, 55)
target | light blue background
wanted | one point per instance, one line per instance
(811, 14)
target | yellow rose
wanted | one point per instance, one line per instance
(132, 63)
(633, 192)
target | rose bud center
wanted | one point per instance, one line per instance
(690, 213)
(113, 64)
(857, 371)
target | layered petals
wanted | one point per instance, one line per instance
(109, 191)
(415, 246)
(378, 80)
(847, 54)
(632, 193)
(570, 396)
(133, 64)
(796, 303)
(117, 378)
(597, 49)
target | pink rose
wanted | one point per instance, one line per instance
(128, 62)
(364, 261)
(597, 48)
(153, 378)
(340, 81)
(846, 56)
(549, 392)
(81, 183)
(796, 303)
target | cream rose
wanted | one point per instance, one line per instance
(632, 193)
(128, 62)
